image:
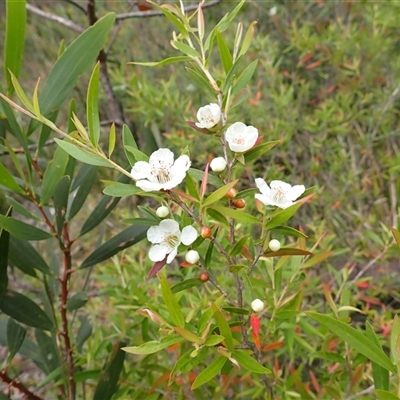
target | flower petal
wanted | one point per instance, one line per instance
(263, 187)
(282, 185)
(188, 235)
(148, 186)
(155, 234)
(157, 253)
(266, 200)
(172, 255)
(295, 192)
(169, 226)
(162, 158)
(140, 170)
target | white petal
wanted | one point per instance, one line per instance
(240, 137)
(172, 255)
(295, 192)
(263, 187)
(280, 184)
(286, 204)
(201, 125)
(155, 234)
(157, 253)
(163, 158)
(140, 170)
(175, 181)
(182, 163)
(266, 200)
(234, 130)
(188, 235)
(169, 226)
(148, 186)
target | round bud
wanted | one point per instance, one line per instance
(204, 277)
(239, 203)
(205, 232)
(218, 164)
(162, 212)
(274, 245)
(257, 305)
(231, 193)
(192, 257)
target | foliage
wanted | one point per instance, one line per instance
(103, 316)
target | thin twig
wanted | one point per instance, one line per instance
(18, 385)
(369, 265)
(147, 14)
(62, 21)
(78, 6)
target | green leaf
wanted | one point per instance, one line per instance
(15, 337)
(380, 374)
(52, 175)
(77, 301)
(76, 59)
(190, 336)
(248, 38)
(236, 310)
(92, 106)
(396, 235)
(186, 284)
(24, 256)
(213, 340)
(163, 8)
(49, 351)
(386, 395)
(128, 140)
(288, 231)
(4, 250)
(209, 373)
(201, 81)
(355, 339)
(394, 340)
(83, 155)
(166, 61)
(7, 180)
(244, 78)
(317, 259)
(214, 214)
(224, 53)
(45, 132)
(24, 310)
(127, 238)
(248, 362)
(102, 209)
(173, 307)
(223, 326)
(84, 332)
(258, 151)
(14, 39)
(185, 49)
(198, 175)
(279, 217)
(137, 154)
(111, 140)
(228, 18)
(236, 214)
(22, 230)
(219, 193)
(87, 176)
(121, 190)
(154, 346)
(109, 377)
(237, 248)
(287, 251)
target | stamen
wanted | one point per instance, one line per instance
(172, 240)
(278, 195)
(161, 175)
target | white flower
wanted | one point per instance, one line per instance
(166, 238)
(208, 116)
(192, 257)
(162, 212)
(280, 194)
(161, 172)
(274, 245)
(272, 11)
(257, 305)
(218, 164)
(240, 137)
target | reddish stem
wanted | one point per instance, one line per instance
(18, 385)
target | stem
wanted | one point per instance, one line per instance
(63, 311)
(18, 385)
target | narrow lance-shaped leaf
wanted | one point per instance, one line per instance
(355, 339)
(78, 57)
(219, 193)
(92, 108)
(7, 180)
(173, 307)
(223, 326)
(4, 248)
(154, 346)
(23, 230)
(248, 362)
(14, 39)
(209, 373)
(111, 140)
(15, 337)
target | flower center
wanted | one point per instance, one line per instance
(240, 140)
(208, 119)
(278, 195)
(172, 240)
(162, 175)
